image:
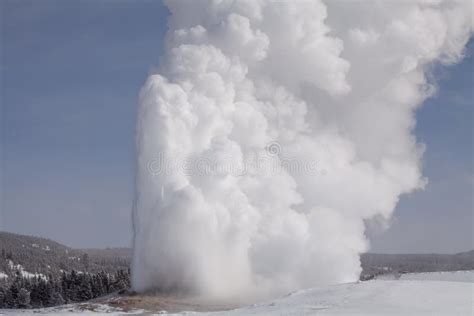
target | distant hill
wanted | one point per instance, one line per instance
(108, 253)
(32, 256)
(377, 263)
(40, 256)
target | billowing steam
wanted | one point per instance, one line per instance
(271, 133)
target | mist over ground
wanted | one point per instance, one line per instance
(273, 131)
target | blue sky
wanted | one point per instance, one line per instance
(71, 72)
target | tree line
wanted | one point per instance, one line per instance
(72, 287)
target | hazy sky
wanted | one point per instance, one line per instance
(70, 75)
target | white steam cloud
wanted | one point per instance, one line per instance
(273, 131)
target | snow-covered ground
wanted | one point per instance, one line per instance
(23, 272)
(376, 297)
(439, 293)
(73, 309)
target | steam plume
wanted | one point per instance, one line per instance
(273, 130)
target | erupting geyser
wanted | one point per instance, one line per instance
(273, 130)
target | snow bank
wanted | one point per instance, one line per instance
(23, 272)
(371, 298)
